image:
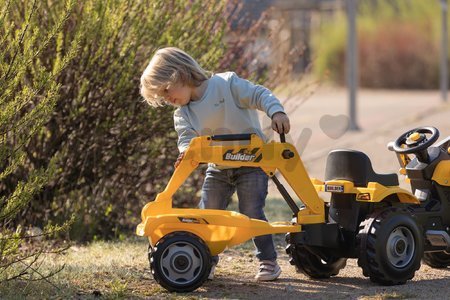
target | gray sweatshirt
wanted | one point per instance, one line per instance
(226, 107)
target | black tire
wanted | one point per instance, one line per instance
(390, 246)
(180, 262)
(309, 263)
(437, 260)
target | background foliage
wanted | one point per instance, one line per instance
(398, 44)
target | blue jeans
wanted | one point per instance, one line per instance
(251, 186)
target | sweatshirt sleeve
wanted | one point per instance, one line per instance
(184, 130)
(249, 95)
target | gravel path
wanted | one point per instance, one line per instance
(234, 280)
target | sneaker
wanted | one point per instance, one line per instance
(213, 269)
(268, 271)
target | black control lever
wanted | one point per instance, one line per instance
(287, 154)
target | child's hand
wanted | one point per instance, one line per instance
(180, 157)
(280, 123)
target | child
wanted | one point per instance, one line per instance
(219, 104)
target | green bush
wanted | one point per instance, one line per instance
(28, 95)
(398, 45)
(112, 153)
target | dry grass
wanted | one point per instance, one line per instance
(115, 269)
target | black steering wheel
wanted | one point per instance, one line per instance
(415, 140)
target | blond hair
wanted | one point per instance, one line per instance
(169, 66)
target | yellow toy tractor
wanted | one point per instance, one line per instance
(368, 217)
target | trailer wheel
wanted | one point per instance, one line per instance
(438, 260)
(390, 246)
(180, 262)
(311, 264)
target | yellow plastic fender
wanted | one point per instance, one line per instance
(218, 228)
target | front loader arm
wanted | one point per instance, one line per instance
(226, 151)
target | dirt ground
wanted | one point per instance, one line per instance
(120, 270)
(234, 280)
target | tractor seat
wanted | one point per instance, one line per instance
(355, 166)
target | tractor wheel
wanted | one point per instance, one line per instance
(390, 246)
(309, 263)
(438, 260)
(180, 262)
